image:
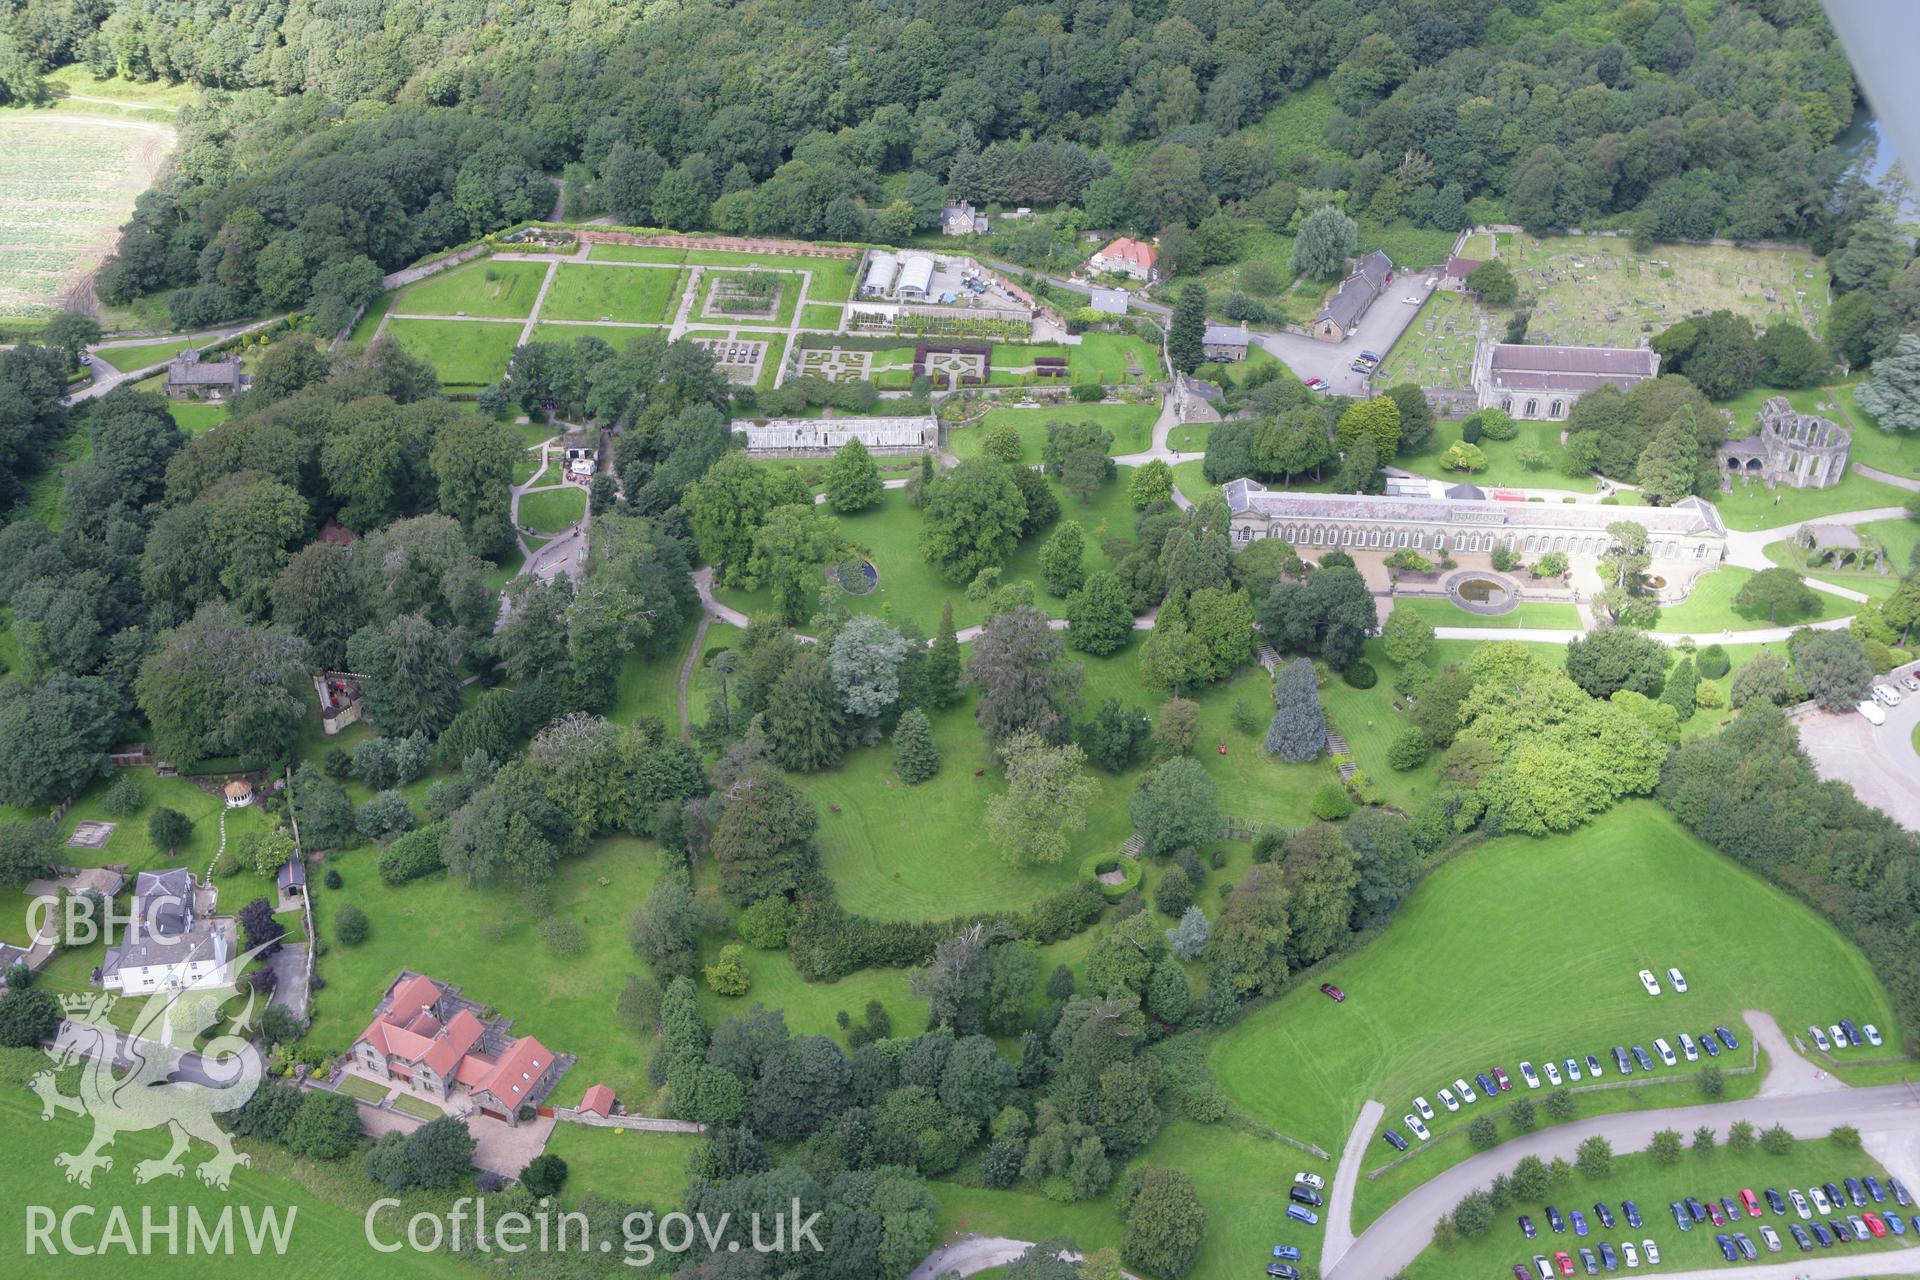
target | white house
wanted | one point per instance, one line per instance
(167, 946)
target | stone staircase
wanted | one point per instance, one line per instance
(1337, 746)
(1135, 843)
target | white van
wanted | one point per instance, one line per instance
(1873, 713)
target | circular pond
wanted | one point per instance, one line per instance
(856, 576)
(1488, 594)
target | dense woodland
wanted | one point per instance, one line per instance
(340, 141)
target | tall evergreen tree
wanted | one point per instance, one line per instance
(1186, 336)
(915, 757)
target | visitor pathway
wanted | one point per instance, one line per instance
(1339, 1236)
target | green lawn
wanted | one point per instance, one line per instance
(364, 1089)
(129, 844)
(615, 336)
(325, 1203)
(633, 1165)
(1551, 973)
(530, 464)
(1709, 606)
(369, 322)
(642, 295)
(706, 312)
(821, 315)
(1131, 424)
(1529, 613)
(1653, 1187)
(485, 942)
(1753, 506)
(483, 287)
(1503, 462)
(1112, 358)
(634, 253)
(1897, 452)
(143, 356)
(463, 353)
(553, 510)
(196, 417)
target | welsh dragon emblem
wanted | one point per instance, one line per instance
(162, 1081)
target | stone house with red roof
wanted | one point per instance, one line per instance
(426, 1038)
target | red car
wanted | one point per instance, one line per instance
(1751, 1202)
(1500, 1078)
(1713, 1212)
(1566, 1263)
(1332, 992)
(1875, 1224)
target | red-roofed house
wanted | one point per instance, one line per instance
(599, 1101)
(1454, 276)
(425, 1037)
(1129, 257)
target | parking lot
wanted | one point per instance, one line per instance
(1377, 331)
(1878, 761)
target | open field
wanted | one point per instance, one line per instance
(639, 295)
(68, 179)
(195, 417)
(1437, 348)
(713, 287)
(1600, 291)
(486, 942)
(1652, 1187)
(464, 354)
(1413, 1020)
(1896, 452)
(1131, 424)
(144, 355)
(483, 287)
(325, 1203)
(648, 1168)
(553, 510)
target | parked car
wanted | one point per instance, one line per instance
(1651, 983)
(1774, 1202)
(1800, 1237)
(1528, 1074)
(1487, 1086)
(1872, 1034)
(1286, 1253)
(1835, 1034)
(1465, 1091)
(1500, 1078)
(1874, 1189)
(1542, 1267)
(1745, 1246)
(1415, 1127)
(1631, 1212)
(1420, 1105)
(1821, 1234)
(1681, 1218)
(1593, 1067)
(1579, 1221)
(1307, 1195)
(1727, 1250)
(1714, 1215)
(1313, 1180)
(1727, 1038)
(1856, 1194)
(1858, 1225)
(1875, 1223)
(1891, 694)
(1603, 1213)
(1621, 1061)
(1799, 1204)
(1688, 1049)
(1895, 1223)
(1729, 1207)
(1665, 1051)
(1555, 1221)
(1695, 1210)
(1652, 1251)
(1841, 1231)
(1526, 1226)
(1835, 1196)
(1588, 1261)
(1899, 1189)
(1640, 1056)
(1395, 1140)
(1573, 1069)
(1750, 1202)
(1553, 1075)
(1629, 1254)
(1448, 1101)
(1564, 1262)
(1287, 1271)
(1854, 1037)
(1875, 716)
(1609, 1260)
(1770, 1238)
(1332, 992)
(1300, 1213)
(1708, 1043)
(1678, 980)
(1820, 1202)
(1820, 1040)
(1911, 681)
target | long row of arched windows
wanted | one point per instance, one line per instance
(1387, 538)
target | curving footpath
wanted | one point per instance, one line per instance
(1339, 1238)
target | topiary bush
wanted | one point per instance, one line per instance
(331, 879)
(1331, 803)
(1359, 674)
(350, 926)
(1712, 662)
